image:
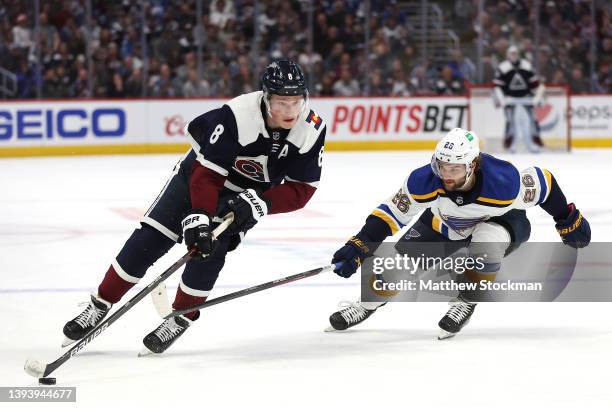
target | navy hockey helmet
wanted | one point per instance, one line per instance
(284, 77)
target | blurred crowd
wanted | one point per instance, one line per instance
(235, 48)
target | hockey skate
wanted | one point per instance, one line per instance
(164, 335)
(352, 314)
(77, 328)
(456, 318)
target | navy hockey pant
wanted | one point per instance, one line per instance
(161, 229)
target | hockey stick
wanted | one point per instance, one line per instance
(255, 289)
(38, 369)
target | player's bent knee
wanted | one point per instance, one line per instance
(142, 249)
(490, 241)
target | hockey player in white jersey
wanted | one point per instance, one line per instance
(469, 198)
(518, 89)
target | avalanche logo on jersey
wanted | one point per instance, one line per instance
(518, 83)
(459, 224)
(254, 168)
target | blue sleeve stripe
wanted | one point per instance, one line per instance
(543, 186)
(445, 230)
(386, 209)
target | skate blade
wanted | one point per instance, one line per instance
(145, 352)
(66, 342)
(445, 335)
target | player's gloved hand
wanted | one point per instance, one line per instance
(575, 230)
(351, 255)
(248, 208)
(197, 232)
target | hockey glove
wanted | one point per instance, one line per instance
(248, 208)
(575, 230)
(197, 232)
(351, 255)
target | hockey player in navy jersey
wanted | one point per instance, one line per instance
(469, 198)
(259, 154)
(517, 85)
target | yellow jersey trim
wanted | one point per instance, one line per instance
(386, 218)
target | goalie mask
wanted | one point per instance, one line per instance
(455, 154)
(513, 55)
(284, 78)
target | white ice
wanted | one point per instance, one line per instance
(62, 220)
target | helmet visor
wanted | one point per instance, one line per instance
(449, 171)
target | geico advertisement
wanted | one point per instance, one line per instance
(390, 118)
(56, 123)
(591, 116)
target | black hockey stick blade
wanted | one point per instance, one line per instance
(38, 369)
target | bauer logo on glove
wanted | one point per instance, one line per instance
(575, 230)
(197, 233)
(248, 208)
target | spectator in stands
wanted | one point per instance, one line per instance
(117, 88)
(194, 86)
(399, 85)
(22, 34)
(162, 84)
(26, 80)
(578, 83)
(80, 87)
(448, 83)
(221, 11)
(558, 78)
(326, 86)
(462, 67)
(46, 30)
(332, 62)
(133, 85)
(51, 85)
(408, 58)
(419, 83)
(346, 85)
(603, 79)
(378, 86)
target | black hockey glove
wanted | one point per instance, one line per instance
(248, 207)
(197, 232)
(575, 230)
(351, 255)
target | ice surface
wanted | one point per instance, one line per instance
(62, 220)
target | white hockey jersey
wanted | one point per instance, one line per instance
(499, 188)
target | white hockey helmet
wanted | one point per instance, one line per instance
(459, 146)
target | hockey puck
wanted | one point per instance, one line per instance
(47, 380)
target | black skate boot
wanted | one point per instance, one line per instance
(166, 333)
(77, 328)
(457, 316)
(353, 314)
